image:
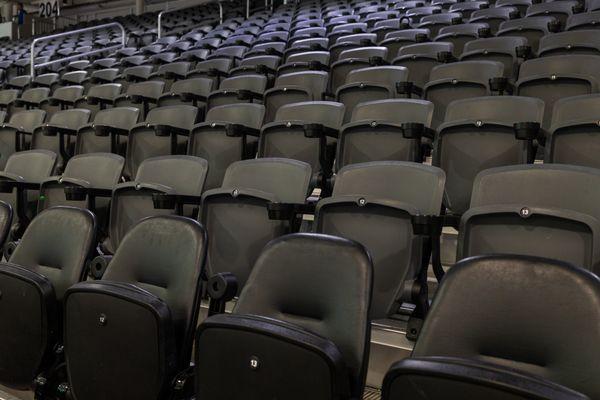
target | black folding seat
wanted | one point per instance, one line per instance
(266, 49)
(467, 8)
(141, 95)
(553, 78)
(420, 59)
(215, 69)
(507, 50)
(415, 15)
(104, 63)
(346, 29)
(238, 89)
(437, 21)
(520, 5)
(62, 98)
(7, 99)
(583, 21)
(11, 133)
(21, 178)
(136, 74)
(294, 88)
(460, 80)
(493, 17)
(575, 42)
(531, 210)
(33, 290)
(394, 41)
(305, 61)
(382, 28)
(193, 91)
(45, 80)
(481, 133)
(71, 78)
(470, 349)
(573, 136)
(101, 76)
(134, 61)
(237, 213)
(262, 65)
(350, 42)
(59, 133)
(19, 82)
(407, 5)
(148, 302)
(30, 99)
(171, 72)
(194, 55)
(460, 34)
(531, 28)
(307, 132)
(169, 176)
(233, 53)
(369, 84)
(372, 203)
(328, 333)
(99, 97)
(561, 10)
(228, 134)
(385, 130)
(164, 132)
(353, 59)
(87, 182)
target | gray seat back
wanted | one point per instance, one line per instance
(375, 132)
(556, 77)
(209, 140)
(574, 135)
(537, 295)
(132, 201)
(478, 134)
(165, 256)
(372, 203)
(236, 216)
(334, 306)
(460, 80)
(531, 210)
(57, 244)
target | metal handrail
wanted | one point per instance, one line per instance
(75, 57)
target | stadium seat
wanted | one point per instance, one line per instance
(51, 256)
(370, 84)
(374, 204)
(258, 201)
(491, 360)
(531, 210)
(108, 132)
(132, 201)
(323, 324)
(228, 134)
(482, 133)
(460, 80)
(552, 78)
(385, 130)
(294, 87)
(58, 134)
(573, 136)
(87, 182)
(420, 59)
(11, 133)
(148, 303)
(307, 132)
(164, 132)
